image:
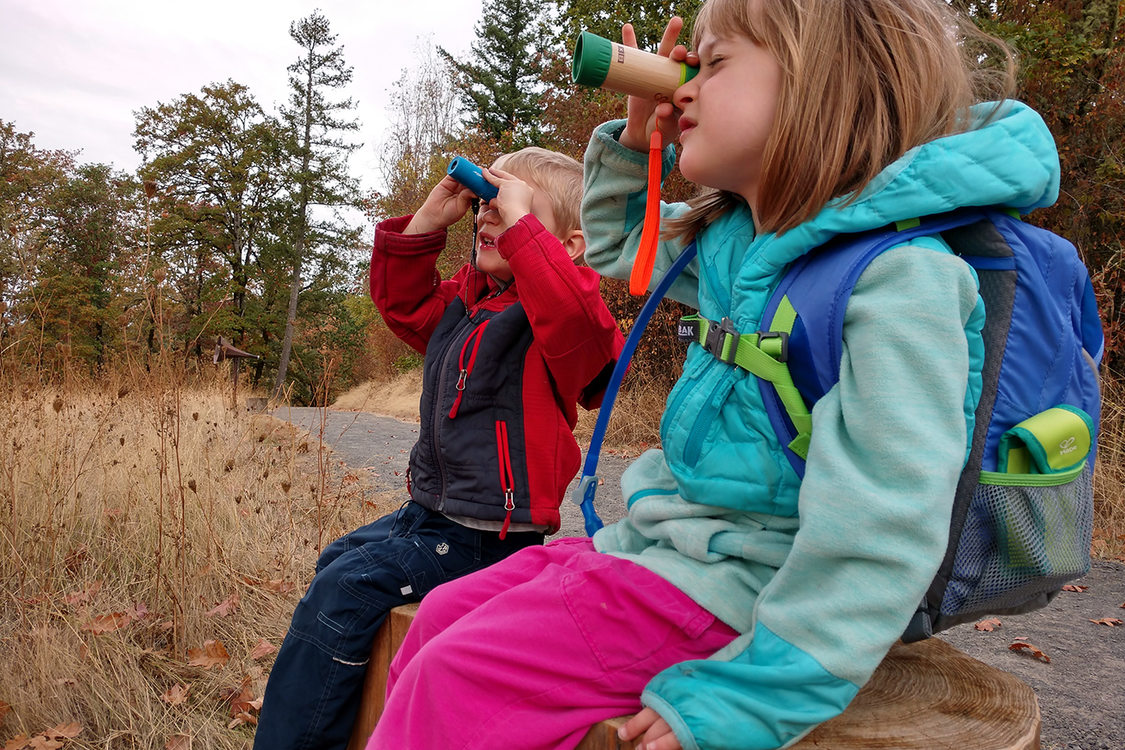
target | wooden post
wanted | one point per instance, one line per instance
(225, 350)
(387, 641)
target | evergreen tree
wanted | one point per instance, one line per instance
(315, 126)
(605, 18)
(500, 83)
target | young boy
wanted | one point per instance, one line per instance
(512, 342)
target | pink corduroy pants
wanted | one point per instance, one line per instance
(532, 651)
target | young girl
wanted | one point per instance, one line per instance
(738, 605)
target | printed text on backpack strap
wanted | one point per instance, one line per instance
(764, 354)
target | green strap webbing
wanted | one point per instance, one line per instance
(783, 320)
(764, 355)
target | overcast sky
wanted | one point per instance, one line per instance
(75, 71)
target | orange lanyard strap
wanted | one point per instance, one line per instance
(646, 253)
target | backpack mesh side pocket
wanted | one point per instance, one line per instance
(1020, 543)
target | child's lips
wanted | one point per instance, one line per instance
(486, 240)
(686, 124)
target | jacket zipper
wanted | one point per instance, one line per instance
(507, 480)
(705, 417)
(436, 421)
(466, 368)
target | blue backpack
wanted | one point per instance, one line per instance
(1023, 511)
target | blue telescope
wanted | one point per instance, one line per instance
(469, 175)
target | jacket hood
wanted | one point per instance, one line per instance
(1007, 157)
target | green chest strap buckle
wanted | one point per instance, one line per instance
(764, 354)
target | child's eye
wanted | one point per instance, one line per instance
(713, 61)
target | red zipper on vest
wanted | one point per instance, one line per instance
(473, 338)
(507, 479)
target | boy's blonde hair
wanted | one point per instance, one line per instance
(863, 82)
(558, 175)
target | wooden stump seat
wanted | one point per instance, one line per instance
(924, 696)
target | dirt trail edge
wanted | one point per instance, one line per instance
(1081, 691)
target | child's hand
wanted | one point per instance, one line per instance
(513, 202)
(645, 115)
(446, 203)
(657, 734)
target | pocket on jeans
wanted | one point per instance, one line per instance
(628, 614)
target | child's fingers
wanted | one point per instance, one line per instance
(657, 734)
(671, 32)
(666, 742)
(680, 53)
(493, 172)
(639, 724)
(628, 35)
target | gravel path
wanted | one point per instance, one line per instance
(1081, 691)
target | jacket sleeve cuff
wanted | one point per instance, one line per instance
(625, 159)
(520, 235)
(390, 239)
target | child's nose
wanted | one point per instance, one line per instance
(683, 94)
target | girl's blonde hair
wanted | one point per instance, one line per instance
(863, 82)
(558, 175)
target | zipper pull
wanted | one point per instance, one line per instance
(509, 505)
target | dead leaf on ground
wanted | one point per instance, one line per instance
(242, 718)
(178, 742)
(1112, 622)
(1074, 587)
(262, 648)
(107, 623)
(64, 731)
(226, 607)
(175, 695)
(213, 654)
(243, 704)
(988, 625)
(75, 598)
(1020, 645)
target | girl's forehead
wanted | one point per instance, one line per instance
(727, 18)
(709, 39)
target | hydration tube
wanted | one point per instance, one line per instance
(587, 488)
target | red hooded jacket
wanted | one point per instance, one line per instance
(504, 369)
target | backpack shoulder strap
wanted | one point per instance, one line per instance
(816, 287)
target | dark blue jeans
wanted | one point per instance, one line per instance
(313, 692)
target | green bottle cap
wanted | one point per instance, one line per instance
(592, 55)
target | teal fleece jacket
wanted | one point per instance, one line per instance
(819, 577)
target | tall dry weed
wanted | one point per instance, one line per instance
(1109, 473)
(153, 544)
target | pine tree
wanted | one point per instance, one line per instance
(320, 174)
(500, 83)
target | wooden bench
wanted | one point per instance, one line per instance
(924, 696)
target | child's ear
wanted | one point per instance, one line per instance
(575, 244)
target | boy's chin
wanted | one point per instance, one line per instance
(499, 270)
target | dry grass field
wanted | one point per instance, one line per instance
(153, 544)
(154, 541)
